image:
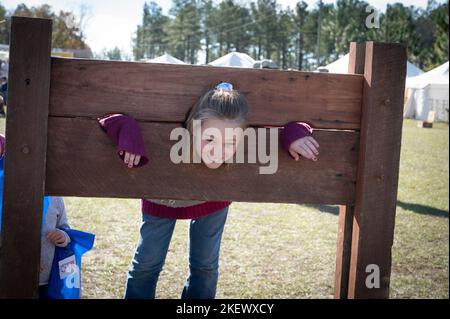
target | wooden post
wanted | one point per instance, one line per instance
(25, 157)
(356, 59)
(378, 167)
(344, 242)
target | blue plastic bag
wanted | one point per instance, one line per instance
(65, 276)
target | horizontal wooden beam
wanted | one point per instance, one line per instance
(82, 161)
(165, 92)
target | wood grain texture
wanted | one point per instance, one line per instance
(26, 145)
(378, 167)
(82, 161)
(344, 243)
(165, 93)
(357, 57)
(343, 251)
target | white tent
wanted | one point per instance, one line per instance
(338, 66)
(265, 64)
(341, 66)
(234, 59)
(428, 92)
(4, 55)
(165, 58)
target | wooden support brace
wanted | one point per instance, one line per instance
(378, 168)
(344, 242)
(25, 159)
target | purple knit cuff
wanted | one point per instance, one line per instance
(125, 133)
(292, 132)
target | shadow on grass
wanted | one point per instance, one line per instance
(416, 208)
(330, 209)
(422, 209)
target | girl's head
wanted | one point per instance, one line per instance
(218, 110)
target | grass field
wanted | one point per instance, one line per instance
(288, 251)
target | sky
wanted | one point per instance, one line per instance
(112, 23)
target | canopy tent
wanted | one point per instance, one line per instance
(341, 66)
(234, 59)
(428, 92)
(4, 55)
(165, 58)
(265, 64)
(338, 66)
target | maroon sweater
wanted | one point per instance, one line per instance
(125, 133)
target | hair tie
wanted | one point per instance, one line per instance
(225, 86)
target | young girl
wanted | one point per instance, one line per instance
(53, 234)
(220, 108)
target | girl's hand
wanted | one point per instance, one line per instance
(306, 146)
(55, 237)
(131, 159)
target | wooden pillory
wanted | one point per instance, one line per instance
(55, 146)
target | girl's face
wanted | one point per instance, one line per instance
(218, 143)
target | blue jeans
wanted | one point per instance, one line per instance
(205, 234)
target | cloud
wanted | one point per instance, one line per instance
(106, 31)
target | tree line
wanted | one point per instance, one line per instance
(302, 37)
(68, 28)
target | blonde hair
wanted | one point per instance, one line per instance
(219, 104)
